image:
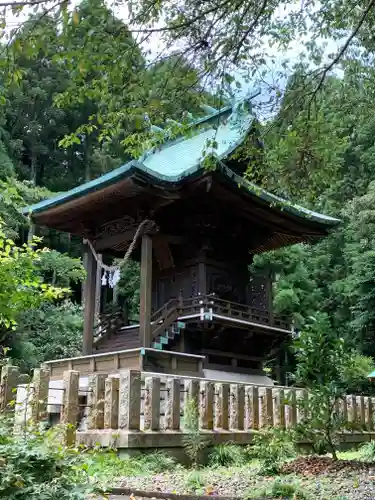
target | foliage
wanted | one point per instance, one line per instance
(194, 443)
(227, 454)
(22, 286)
(272, 447)
(195, 482)
(367, 451)
(327, 367)
(36, 468)
(280, 489)
(51, 331)
(157, 462)
(108, 464)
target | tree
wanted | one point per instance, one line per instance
(328, 367)
(21, 283)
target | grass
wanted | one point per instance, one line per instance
(229, 472)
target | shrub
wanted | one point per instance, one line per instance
(35, 468)
(272, 447)
(227, 454)
(367, 451)
(157, 462)
(280, 489)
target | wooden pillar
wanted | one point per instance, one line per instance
(145, 292)
(89, 301)
(202, 278)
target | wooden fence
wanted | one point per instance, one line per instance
(143, 405)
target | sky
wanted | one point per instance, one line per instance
(274, 61)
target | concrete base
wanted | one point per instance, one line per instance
(120, 439)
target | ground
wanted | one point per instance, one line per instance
(311, 477)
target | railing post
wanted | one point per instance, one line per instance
(39, 401)
(222, 406)
(280, 408)
(8, 386)
(252, 407)
(70, 406)
(192, 392)
(206, 406)
(370, 414)
(353, 409)
(130, 400)
(237, 406)
(292, 408)
(95, 401)
(268, 408)
(111, 403)
(152, 404)
(172, 406)
(362, 411)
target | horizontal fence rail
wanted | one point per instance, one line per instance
(137, 402)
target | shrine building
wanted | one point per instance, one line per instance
(195, 231)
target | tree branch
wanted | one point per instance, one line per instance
(249, 30)
(342, 51)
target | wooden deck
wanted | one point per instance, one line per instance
(112, 334)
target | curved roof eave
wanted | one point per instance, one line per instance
(134, 167)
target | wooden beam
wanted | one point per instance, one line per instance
(231, 355)
(89, 301)
(145, 292)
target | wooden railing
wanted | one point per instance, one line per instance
(138, 402)
(233, 310)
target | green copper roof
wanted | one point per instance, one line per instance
(179, 159)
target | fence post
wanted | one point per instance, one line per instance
(362, 412)
(353, 409)
(173, 404)
(292, 408)
(192, 392)
(111, 403)
(206, 406)
(237, 406)
(130, 400)
(70, 406)
(8, 387)
(268, 420)
(370, 414)
(280, 408)
(252, 407)
(222, 406)
(95, 401)
(152, 404)
(39, 399)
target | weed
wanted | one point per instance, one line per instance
(194, 443)
(157, 462)
(272, 447)
(280, 489)
(227, 454)
(195, 482)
